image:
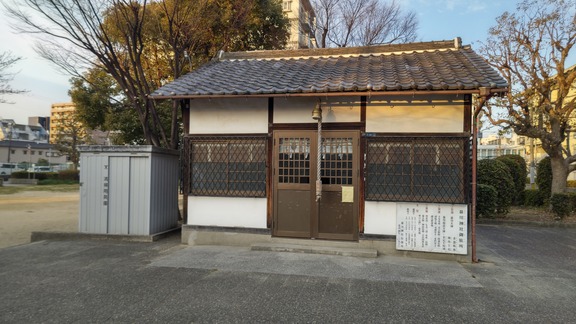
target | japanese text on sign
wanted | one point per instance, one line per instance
(105, 193)
(440, 228)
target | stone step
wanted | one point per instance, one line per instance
(312, 249)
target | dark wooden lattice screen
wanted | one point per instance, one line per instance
(225, 166)
(419, 169)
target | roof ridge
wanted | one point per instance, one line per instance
(437, 66)
(344, 51)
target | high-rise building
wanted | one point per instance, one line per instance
(61, 114)
(62, 121)
(302, 23)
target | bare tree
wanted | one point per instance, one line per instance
(144, 44)
(345, 23)
(326, 11)
(530, 47)
(7, 61)
(76, 34)
(387, 24)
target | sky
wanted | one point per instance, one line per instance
(438, 20)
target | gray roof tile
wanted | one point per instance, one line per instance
(407, 67)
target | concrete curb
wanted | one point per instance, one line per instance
(523, 223)
(329, 250)
(71, 236)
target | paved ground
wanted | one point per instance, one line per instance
(527, 275)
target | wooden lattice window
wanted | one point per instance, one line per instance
(227, 166)
(294, 160)
(417, 169)
(336, 163)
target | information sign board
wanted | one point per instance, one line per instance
(439, 228)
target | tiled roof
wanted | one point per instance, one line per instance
(432, 66)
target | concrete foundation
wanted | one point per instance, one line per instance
(24, 181)
(201, 235)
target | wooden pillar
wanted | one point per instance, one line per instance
(185, 111)
(361, 211)
(270, 166)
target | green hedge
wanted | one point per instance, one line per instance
(50, 182)
(533, 198)
(486, 201)
(497, 174)
(34, 175)
(70, 175)
(561, 204)
(544, 178)
(517, 166)
(65, 175)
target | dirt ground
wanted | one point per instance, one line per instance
(31, 211)
(536, 214)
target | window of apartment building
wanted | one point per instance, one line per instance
(416, 169)
(32, 152)
(227, 166)
(521, 140)
(287, 5)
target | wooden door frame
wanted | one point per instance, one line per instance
(311, 133)
(356, 166)
(274, 178)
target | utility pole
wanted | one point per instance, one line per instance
(9, 140)
(30, 160)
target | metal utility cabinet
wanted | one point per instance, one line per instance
(128, 190)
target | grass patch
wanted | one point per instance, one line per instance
(10, 190)
(48, 187)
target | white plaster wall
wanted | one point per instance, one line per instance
(226, 211)
(380, 218)
(406, 115)
(229, 116)
(299, 109)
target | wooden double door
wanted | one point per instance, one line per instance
(297, 213)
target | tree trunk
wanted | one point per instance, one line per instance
(559, 174)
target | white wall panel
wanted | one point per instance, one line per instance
(380, 218)
(93, 194)
(229, 116)
(299, 109)
(140, 195)
(118, 194)
(227, 211)
(407, 115)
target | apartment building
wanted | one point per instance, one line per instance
(302, 23)
(61, 114)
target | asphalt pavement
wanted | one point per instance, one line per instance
(526, 275)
